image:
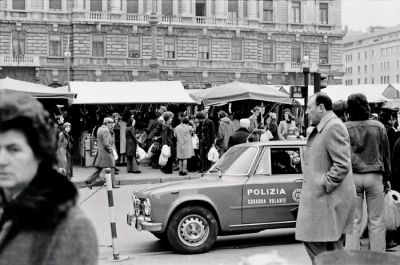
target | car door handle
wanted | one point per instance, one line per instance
(298, 181)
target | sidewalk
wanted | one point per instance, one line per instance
(148, 175)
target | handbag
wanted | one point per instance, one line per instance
(392, 210)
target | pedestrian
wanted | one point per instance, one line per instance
(242, 135)
(206, 133)
(255, 123)
(184, 147)
(167, 135)
(370, 158)
(65, 144)
(287, 128)
(328, 195)
(131, 146)
(273, 126)
(122, 141)
(339, 107)
(105, 155)
(225, 129)
(40, 222)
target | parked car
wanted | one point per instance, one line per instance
(253, 187)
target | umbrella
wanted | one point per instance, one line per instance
(241, 91)
(36, 90)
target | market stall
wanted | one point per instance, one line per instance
(95, 100)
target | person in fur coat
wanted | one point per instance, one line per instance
(40, 222)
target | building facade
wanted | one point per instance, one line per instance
(372, 57)
(200, 42)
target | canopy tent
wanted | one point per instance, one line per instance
(129, 92)
(241, 91)
(377, 93)
(36, 90)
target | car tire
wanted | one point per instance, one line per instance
(192, 230)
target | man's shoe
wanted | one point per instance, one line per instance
(136, 172)
(116, 187)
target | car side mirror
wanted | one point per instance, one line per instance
(219, 172)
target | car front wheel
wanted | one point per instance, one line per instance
(192, 230)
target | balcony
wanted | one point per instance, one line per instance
(22, 60)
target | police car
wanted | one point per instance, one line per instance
(253, 187)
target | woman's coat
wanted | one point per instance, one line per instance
(184, 147)
(328, 196)
(131, 142)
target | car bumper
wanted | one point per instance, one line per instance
(141, 224)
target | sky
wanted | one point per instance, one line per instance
(360, 14)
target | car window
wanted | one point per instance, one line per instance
(280, 160)
(237, 161)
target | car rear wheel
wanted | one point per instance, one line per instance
(192, 230)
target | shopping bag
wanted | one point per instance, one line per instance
(195, 141)
(266, 136)
(392, 210)
(166, 151)
(140, 154)
(213, 154)
(162, 160)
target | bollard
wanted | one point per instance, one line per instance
(116, 256)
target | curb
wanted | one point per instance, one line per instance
(144, 180)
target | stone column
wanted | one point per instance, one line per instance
(252, 9)
(186, 8)
(78, 5)
(140, 7)
(115, 6)
(63, 5)
(220, 9)
(104, 6)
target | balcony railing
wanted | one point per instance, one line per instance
(21, 60)
(170, 20)
(135, 18)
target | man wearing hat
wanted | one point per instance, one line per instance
(104, 156)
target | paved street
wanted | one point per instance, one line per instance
(144, 248)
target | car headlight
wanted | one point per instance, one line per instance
(147, 207)
(136, 205)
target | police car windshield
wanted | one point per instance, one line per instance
(237, 161)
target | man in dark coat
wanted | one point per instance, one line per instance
(206, 134)
(131, 146)
(242, 135)
(104, 156)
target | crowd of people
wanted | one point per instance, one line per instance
(188, 139)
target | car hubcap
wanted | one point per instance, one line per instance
(193, 230)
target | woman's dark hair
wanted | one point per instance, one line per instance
(340, 109)
(323, 98)
(357, 107)
(222, 114)
(185, 120)
(49, 196)
(24, 113)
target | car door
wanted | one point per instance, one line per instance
(275, 187)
